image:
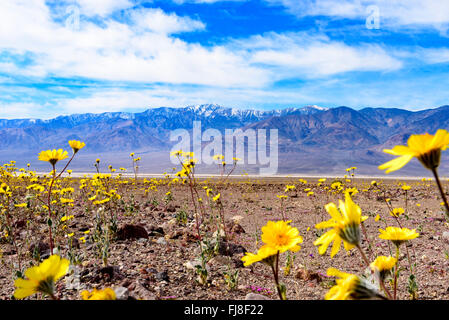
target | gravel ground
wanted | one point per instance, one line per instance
(155, 255)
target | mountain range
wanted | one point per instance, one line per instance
(312, 139)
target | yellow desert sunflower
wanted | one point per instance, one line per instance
(383, 266)
(53, 156)
(41, 278)
(398, 235)
(281, 236)
(76, 145)
(349, 287)
(105, 294)
(396, 212)
(345, 223)
(5, 189)
(425, 147)
(265, 254)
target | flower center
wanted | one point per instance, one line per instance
(281, 239)
(431, 159)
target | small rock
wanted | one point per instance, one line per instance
(75, 243)
(222, 234)
(142, 292)
(156, 231)
(170, 208)
(229, 249)
(445, 235)
(191, 265)
(42, 248)
(255, 296)
(152, 270)
(237, 219)
(162, 276)
(308, 275)
(20, 224)
(132, 286)
(189, 237)
(83, 228)
(175, 234)
(220, 261)
(215, 283)
(110, 272)
(238, 263)
(121, 293)
(237, 229)
(126, 283)
(143, 271)
(73, 279)
(130, 231)
(162, 241)
(169, 223)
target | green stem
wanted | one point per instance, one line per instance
(387, 292)
(396, 273)
(275, 270)
(64, 167)
(49, 209)
(363, 256)
(370, 247)
(440, 187)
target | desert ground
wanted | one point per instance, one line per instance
(155, 251)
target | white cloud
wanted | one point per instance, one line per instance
(125, 99)
(432, 56)
(397, 13)
(118, 51)
(91, 8)
(145, 51)
(19, 110)
(156, 20)
(316, 56)
(398, 92)
(102, 7)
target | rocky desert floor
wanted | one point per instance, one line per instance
(155, 253)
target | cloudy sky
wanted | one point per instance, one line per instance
(74, 56)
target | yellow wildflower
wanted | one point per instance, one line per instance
(53, 156)
(345, 226)
(398, 235)
(41, 278)
(281, 236)
(425, 147)
(105, 294)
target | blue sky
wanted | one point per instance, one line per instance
(74, 56)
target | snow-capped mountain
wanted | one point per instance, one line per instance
(307, 135)
(118, 130)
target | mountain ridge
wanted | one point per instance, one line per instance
(308, 134)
